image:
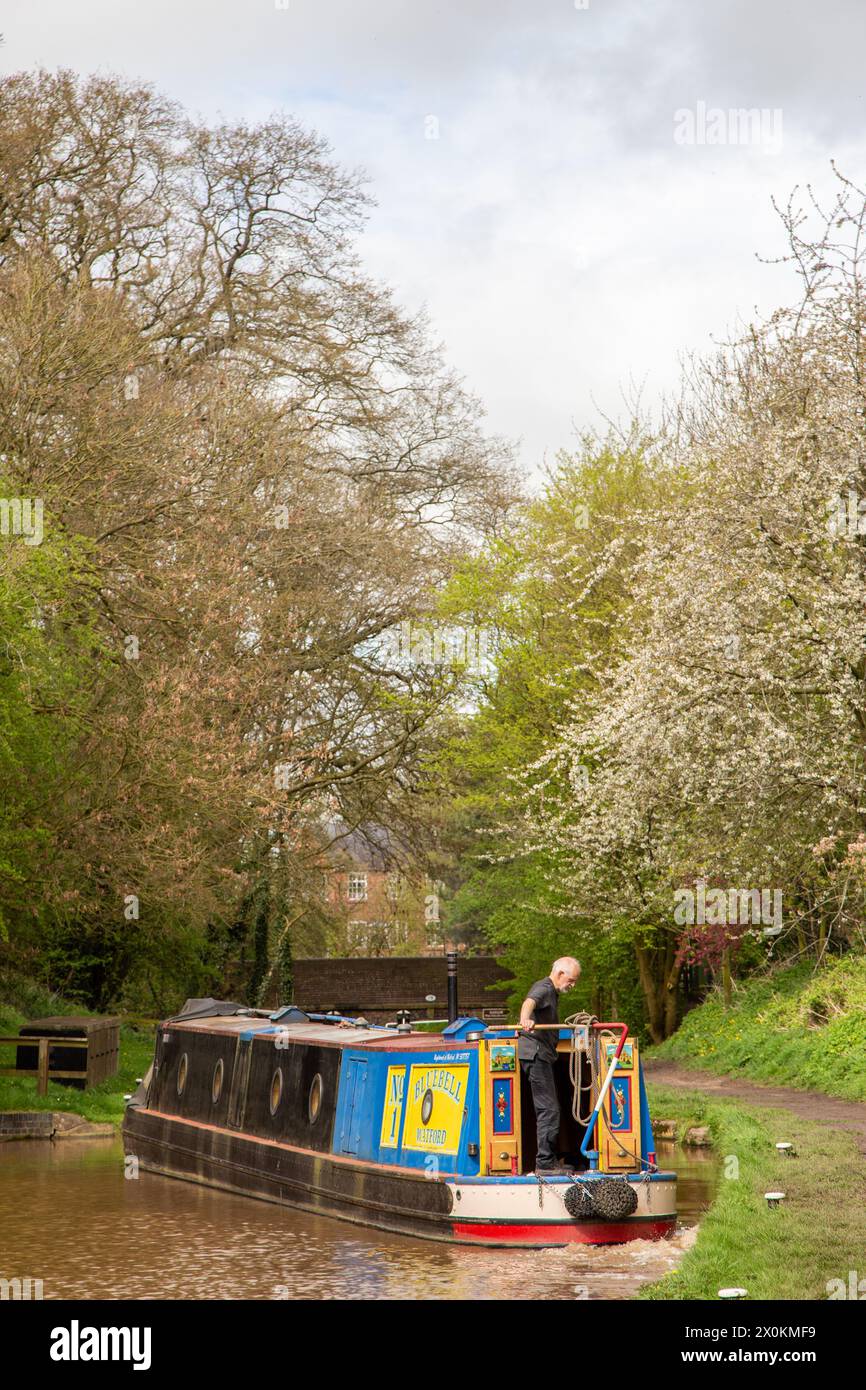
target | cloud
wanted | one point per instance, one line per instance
(561, 240)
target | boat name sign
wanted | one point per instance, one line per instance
(436, 1125)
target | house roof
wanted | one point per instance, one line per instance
(369, 846)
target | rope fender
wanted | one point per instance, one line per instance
(609, 1199)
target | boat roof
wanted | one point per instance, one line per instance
(329, 1034)
(225, 1017)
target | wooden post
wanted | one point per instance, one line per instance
(42, 1079)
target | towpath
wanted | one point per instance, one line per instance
(810, 1105)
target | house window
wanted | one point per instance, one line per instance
(357, 891)
(357, 935)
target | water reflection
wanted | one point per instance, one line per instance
(70, 1217)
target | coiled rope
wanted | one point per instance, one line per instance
(575, 1022)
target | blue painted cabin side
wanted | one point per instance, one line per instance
(411, 1109)
(445, 1110)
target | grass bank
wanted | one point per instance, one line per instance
(816, 1235)
(798, 1028)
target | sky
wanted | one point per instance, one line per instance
(558, 183)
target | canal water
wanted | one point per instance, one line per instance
(69, 1217)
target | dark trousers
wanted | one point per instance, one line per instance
(545, 1102)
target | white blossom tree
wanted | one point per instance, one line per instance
(728, 742)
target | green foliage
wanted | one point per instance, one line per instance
(50, 659)
(517, 910)
(286, 964)
(261, 927)
(551, 596)
(799, 1027)
(22, 997)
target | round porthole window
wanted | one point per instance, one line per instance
(276, 1090)
(181, 1074)
(426, 1107)
(217, 1083)
(314, 1103)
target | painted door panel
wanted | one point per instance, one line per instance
(356, 1082)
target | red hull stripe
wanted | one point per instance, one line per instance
(605, 1233)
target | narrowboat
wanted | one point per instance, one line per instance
(422, 1134)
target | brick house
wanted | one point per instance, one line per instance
(380, 909)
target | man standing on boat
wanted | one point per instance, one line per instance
(537, 1053)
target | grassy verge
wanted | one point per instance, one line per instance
(797, 1028)
(817, 1234)
(100, 1103)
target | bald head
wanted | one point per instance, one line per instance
(565, 973)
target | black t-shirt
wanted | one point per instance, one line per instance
(541, 1045)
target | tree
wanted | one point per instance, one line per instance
(552, 594)
(728, 743)
(267, 467)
